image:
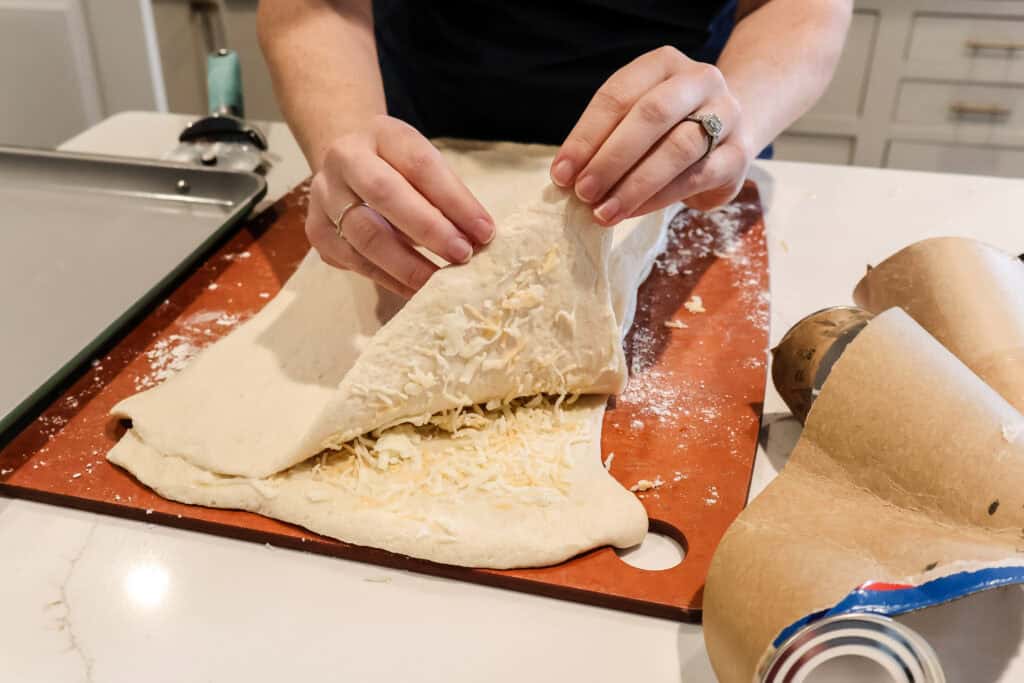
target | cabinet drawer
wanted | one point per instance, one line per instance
(961, 104)
(954, 158)
(974, 48)
(820, 148)
(845, 95)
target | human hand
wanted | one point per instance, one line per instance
(632, 152)
(383, 190)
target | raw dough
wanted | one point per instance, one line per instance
(530, 314)
(302, 373)
(526, 489)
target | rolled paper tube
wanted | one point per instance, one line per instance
(909, 467)
(802, 360)
(968, 295)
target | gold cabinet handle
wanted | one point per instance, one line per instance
(1006, 45)
(971, 109)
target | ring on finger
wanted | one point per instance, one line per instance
(344, 212)
(711, 124)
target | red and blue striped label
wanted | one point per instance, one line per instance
(892, 599)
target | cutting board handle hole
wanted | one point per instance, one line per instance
(663, 548)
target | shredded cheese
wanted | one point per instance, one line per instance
(646, 484)
(468, 446)
(695, 304)
(519, 449)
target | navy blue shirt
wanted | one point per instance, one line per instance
(524, 70)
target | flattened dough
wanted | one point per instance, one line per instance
(303, 373)
(527, 489)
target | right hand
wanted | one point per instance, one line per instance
(415, 197)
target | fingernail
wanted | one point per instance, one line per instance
(586, 188)
(609, 210)
(562, 173)
(484, 230)
(461, 251)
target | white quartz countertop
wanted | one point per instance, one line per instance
(95, 598)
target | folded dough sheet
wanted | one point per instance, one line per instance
(332, 362)
(532, 313)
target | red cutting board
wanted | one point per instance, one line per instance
(688, 419)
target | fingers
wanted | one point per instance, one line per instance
(609, 106)
(334, 251)
(713, 182)
(367, 269)
(374, 238)
(685, 145)
(412, 197)
(422, 165)
(391, 195)
(633, 151)
(656, 113)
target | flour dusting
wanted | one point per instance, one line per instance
(711, 497)
(723, 240)
(172, 354)
(689, 320)
(168, 356)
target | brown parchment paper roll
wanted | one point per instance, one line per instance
(908, 466)
(968, 295)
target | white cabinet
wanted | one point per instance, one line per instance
(67, 64)
(961, 46)
(955, 158)
(817, 147)
(923, 84)
(57, 83)
(979, 106)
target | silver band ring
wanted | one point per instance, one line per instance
(712, 127)
(341, 215)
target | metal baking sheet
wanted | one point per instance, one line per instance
(87, 243)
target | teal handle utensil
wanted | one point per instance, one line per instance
(224, 83)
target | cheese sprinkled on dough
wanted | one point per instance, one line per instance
(518, 449)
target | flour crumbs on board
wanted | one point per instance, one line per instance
(173, 353)
(659, 398)
(722, 241)
(704, 240)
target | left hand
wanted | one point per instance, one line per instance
(632, 152)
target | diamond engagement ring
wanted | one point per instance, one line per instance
(341, 215)
(712, 127)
